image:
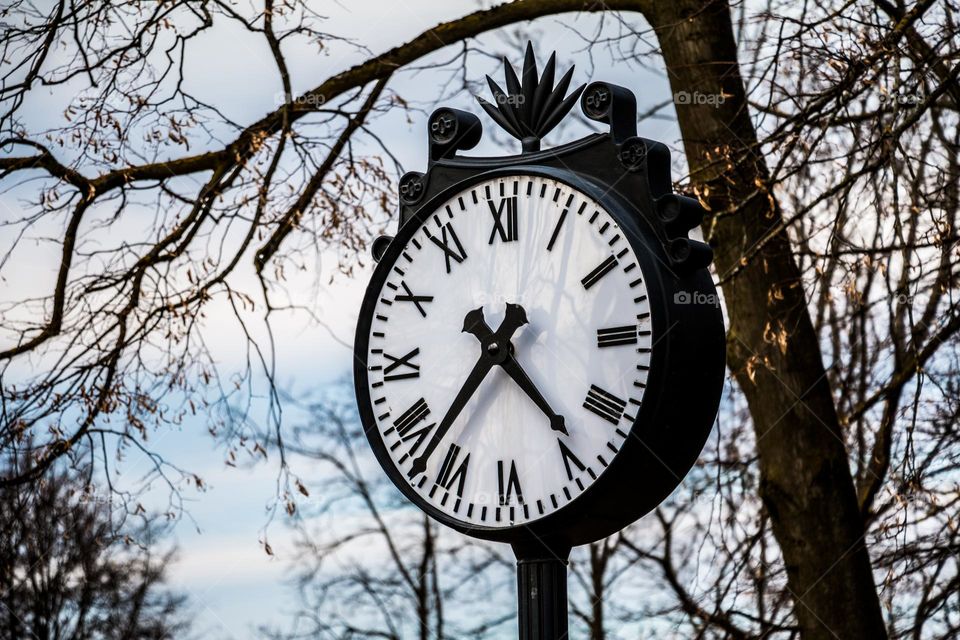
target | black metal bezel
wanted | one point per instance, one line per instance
(650, 462)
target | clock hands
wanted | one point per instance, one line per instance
(496, 347)
(474, 323)
(479, 372)
(512, 367)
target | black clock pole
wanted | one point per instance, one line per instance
(542, 590)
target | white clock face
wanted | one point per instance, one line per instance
(502, 435)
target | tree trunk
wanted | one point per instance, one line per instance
(772, 347)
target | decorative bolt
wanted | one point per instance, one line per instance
(493, 349)
(597, 100)
(633, 154)
(411, 187)
(379, 246)
(443, 128)
(679, 249)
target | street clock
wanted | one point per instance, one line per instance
(540, 353)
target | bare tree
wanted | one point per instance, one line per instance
(370, 566)
(66, 572)
(822, 139)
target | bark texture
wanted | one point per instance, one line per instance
(772, 348)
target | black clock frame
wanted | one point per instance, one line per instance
(670, 429)
(629, 177)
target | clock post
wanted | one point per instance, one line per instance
(541, 590)
(539, 354)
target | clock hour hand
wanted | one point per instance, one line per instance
(475, 324)
(496, 347)
(515, 318)
(513, 368)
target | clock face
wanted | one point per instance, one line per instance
(509, 350)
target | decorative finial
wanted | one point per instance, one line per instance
(528, 111)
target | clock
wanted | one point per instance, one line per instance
(539, 354)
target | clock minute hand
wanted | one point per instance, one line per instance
(477, 374)
(496, 347)
(474, 323)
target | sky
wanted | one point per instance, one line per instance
(233, 585)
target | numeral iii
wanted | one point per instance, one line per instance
(616, 336)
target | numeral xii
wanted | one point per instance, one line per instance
(504, 219)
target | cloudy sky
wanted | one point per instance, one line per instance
(232, 583)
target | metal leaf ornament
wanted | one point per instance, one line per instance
(531, 106)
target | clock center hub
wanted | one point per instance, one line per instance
(497, 349)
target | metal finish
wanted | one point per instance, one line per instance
(669, 430)
(542, 598)
(629, 177)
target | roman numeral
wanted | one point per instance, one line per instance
(408, 368)
(506, 229)
(450, 473)
(408, 420)
(604, 404)
(448, 235)
(417, 412)
(617, 336)
(556, 230)
(508, 485)
(409, 297)
(417, 436)
(568, 458)
(601, 270)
